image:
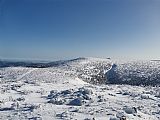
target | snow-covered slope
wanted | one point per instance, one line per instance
(135, 73)
(65, 91)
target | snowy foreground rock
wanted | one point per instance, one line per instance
(78, 89)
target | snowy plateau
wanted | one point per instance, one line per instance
(80, 89)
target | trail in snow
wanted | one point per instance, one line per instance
(27, 73)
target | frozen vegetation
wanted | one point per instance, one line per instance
(82, 89)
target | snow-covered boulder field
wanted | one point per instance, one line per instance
(80, 89)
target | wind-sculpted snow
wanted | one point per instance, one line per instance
(77, 89)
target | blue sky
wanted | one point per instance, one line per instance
(63, 29)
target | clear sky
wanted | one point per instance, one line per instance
(62, 29)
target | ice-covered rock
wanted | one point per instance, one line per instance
(57, 101)
(114, 118)
(85, 91)
(130, 110)
(112, 75)
(145, 96)
(76, 102)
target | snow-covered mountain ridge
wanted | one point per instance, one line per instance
(88, 69)
(77, 89)
(97, 70)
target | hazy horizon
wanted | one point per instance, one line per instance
(65, 29)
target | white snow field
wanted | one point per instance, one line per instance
(81, 89)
